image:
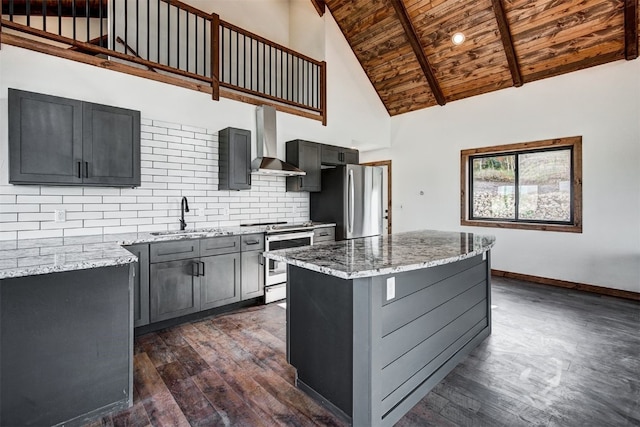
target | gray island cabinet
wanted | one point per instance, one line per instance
(66, 330)
(373, 324)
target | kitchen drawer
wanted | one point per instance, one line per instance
(171, 251)
(324, 234)
(219, 245)
(252, 242)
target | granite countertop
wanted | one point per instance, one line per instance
(19, 258)
(379, 255)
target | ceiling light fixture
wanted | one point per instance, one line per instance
(458, 38)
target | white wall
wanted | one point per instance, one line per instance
(355, 114)
(601, 104)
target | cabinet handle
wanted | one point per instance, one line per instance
(261, 259)
(86, 169)
(254, 242)
(300, 180)
(202, 263)
(79, 169)
(195, 269)
(323, 234)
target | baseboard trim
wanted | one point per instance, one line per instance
(569, 285)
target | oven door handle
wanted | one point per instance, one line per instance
(289, 236)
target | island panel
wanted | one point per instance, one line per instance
(66, 345)
(347, 341)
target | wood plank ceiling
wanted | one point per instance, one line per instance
(405, 46)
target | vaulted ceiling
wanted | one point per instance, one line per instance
(405, 46)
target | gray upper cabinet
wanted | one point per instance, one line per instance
(45, 139)
(235, 159)
(307, 156)
(111, 145)
(60, 141)
(332, 155)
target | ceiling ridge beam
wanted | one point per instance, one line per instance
(507, 42)
(319, 5)
(631, 29)
(412, 37)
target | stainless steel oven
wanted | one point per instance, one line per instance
(276, 272)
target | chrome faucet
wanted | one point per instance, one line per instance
(184, 207)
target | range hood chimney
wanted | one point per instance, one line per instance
(267, 162)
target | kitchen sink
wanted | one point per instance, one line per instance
(186, 232)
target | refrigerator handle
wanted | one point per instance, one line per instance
(351, 202)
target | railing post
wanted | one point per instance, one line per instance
(323, 91)
(215, 56)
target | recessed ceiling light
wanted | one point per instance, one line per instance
(458, 39)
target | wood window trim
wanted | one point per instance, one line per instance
(574, 142)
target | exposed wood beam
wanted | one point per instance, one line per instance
(631, 29)
(412, 37)
(507, 42)
(319, 5)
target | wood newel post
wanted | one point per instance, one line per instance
(215, 56)
(323, 92)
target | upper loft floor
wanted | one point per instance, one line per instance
(174, 43)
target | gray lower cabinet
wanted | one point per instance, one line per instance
(219, 280)
(60, 141)
(140, 284)
(174, 290)
(235, 159)
(252, 263)
(192, 275)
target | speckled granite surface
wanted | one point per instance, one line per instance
(20, 258)
(375, 256)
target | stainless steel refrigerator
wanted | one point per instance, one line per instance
(351, 197)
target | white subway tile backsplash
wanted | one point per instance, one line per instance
(18, 189)
(39, 234)
(58, 225)
(17, 226)
(101, 191)
(8, 217)
(85, 231)
(101, 222)
(35, 216)
(82, 199)
(176, 160)
(38, 199)
(168, 125)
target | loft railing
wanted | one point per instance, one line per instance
(173, 38)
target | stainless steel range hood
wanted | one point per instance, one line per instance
(267, 162)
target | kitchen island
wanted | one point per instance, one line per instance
(373, 324)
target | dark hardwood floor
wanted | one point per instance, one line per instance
(556, 357)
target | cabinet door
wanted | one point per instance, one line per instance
(140, 284)
(351, 157)
(331, 155)
(252, 277)
(111, 146)
(305, 155)
(220, 280)
(235, 159)
(175, 289)
(45, 139)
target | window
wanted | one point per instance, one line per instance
(532, 185)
